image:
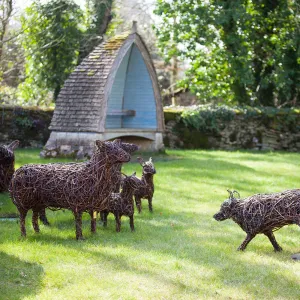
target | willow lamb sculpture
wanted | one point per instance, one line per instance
(129, 148)
(116, 170)
(121, 204)
(262, 213)
(78, 187)
(146, 190)
(7, 165)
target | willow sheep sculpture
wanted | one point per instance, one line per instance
(115, 173)
(262, 213)
(78, 187)
(7, 165)
(121, 204)
(146, 190)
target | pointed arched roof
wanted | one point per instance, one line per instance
(82, 103)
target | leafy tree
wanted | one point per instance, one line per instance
(11, 55)
(8, 42)
(6, 11)
(98, 17)
(52, 33)
(244, 51)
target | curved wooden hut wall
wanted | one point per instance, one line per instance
(132, 91)
(114, 93)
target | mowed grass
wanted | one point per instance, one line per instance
(178, 252)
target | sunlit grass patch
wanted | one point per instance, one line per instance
(178, 252)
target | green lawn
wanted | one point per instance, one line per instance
(178, 252)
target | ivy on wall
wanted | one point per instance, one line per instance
(212, 119)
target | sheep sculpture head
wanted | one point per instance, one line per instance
(227, 207)
(116, 153)
(130, 148)
(7, 153)
(148, 166)
(131, 181)
(147, 190)
(7, 160)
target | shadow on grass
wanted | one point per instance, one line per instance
(194, 238)
(19, 279)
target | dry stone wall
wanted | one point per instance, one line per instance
(276, 131)
(28, 125)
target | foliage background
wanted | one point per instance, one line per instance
(239, 51)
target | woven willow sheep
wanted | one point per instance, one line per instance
(145, 191)
(7, 164)
(116, 169)
(129, 148)
(78, 187)
(121, 204)
(262, 213)
(115, 173)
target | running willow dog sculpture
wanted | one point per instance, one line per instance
(262, 213)
(78, 187)
(7, 164)
(146, 190)
(121, 204)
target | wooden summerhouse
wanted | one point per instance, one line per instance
(113, 93)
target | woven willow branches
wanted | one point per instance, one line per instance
(7, 165)
(129, 148)
(116, 170)
(81, 187)
(145, 191)
(262, 213)
(115, 174)
(121, 204)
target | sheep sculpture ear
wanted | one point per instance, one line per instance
(150, 159)
(100, 145)
(230, 196)
(238, 194)
(117, 141)
(12, 146)
(141, 161)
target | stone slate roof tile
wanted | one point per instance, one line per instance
(80, 104)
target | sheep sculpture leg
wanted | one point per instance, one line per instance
(138, 203)
(104, 215)
(131, 223)
(43, 218)
(93, 222)
(23, 214)
(35, 223)
(273, 241)
(118, 222)
(247, 240)
(150, 204)
(78, 225)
